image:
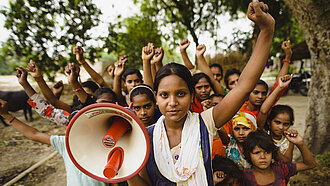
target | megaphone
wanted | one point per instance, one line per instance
(107, 142)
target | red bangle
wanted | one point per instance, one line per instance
(76, 90)
(12, 119)
(288, 61)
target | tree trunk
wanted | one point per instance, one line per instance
(313, 17)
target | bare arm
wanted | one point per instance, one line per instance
(33, 69)
(118, 72)
(202, 65)
(308, 159)
(289, 152)
(288, 53)
(73, 72)
(156, 62)
(147, 54)
(284, 81)
(254, 68)
(223, 136)
(23, 128)
(94, 75)
(183, 46)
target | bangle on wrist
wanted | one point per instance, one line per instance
(288, 61)
(82, 62)
(12, 119)
(76, 90)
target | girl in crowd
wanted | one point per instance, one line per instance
(260, 150)
(143, 103)
(181, 141)
(202, 85)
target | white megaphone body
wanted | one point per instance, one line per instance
(107, 142)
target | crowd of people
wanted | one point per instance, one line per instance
(201, 132)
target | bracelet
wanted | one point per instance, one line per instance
(82, 62)
(12, 119)
(288, 61)
(76, 90)
(38, 78)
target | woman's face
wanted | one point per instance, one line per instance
(144, 109)
(279, 124)
(241, 132)
(173, 99)
(232, 81)
(260, 158)
(202, 89)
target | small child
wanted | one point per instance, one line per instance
(259, 150)
(226, 172)
(279, 120)
(243, 124)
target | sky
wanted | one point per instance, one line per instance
(112, 8)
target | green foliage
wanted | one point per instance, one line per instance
(194, 16)
(286, 27)
(324, 159)
(46, 30)
(130, 36)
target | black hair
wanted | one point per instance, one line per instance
(261, 139)
(217, 65)
(91, 85)
(279, 109)
(198, 76)
(262, 82)
(142, 89)
(103, 90)
(216, 95)
(131, 71)
(174, 69)
(229, 167)
(230, 72)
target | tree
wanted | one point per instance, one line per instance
(313, 16)
(130, 35)
(194, 16)
(46, 30)
(286, 26)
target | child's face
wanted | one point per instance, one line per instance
(173, 98)
(232, 81)
(144, 109)
(202, 89)
(260, 158)
(280, 123)
(106, 98)
(131, 81)
(258, 95)
(241, 132)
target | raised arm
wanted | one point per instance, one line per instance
(183, 46)
(223, 136)
(21, 75)
(156, 62)
(94, 75)
(72, 71)
(257, 12)
(308, 159)
(147, 54)
(287, 60)
(34, 71)
(284, 81)
(202, 65)
(118, 72)
(23, 128)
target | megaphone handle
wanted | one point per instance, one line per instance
(115, 160)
